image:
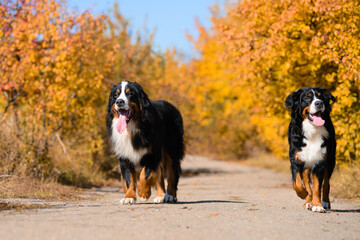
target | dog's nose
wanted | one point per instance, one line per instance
(319, 104)
(120, 102)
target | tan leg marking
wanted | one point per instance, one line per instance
(317, 191)
(144, 187)
(316, 202)
(160, 185)
(306, 179)
(298, 187)
(130, 192)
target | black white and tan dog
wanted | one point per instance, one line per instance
(312, 144)
(147, 137)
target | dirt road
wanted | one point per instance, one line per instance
(217, 200)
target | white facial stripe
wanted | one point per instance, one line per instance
(312, 106)
(123, 96)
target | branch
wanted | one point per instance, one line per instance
(61, 143)
(10, 101)
(6, 176)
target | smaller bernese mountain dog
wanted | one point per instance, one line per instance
(312, 145)
(147, 137)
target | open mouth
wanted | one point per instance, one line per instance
(316, 118)
(127, 113)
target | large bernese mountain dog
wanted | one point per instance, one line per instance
(147, 137)
(312, 144)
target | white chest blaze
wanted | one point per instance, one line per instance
(313, 152)
(122, 145)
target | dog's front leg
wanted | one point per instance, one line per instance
(316, 201)
(130, 178)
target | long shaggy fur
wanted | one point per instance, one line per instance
(154, 130)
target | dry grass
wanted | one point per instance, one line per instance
(268, 161)
(345, 181)
(68, 161)
(21, 206)
(31, 188)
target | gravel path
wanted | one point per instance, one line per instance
(217, 200)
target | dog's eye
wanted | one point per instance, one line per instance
(128, 92)
(307, 99)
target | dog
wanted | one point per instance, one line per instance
(312, 145)
(147, 137)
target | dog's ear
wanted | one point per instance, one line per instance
(327, 95)
(145, 105)
(144, 100)
(293, 99)
(110, 98)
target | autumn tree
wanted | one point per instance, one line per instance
(52, 67)
(279, 46)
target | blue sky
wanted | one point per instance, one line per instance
(171, 19)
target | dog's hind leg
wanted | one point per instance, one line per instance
(173, 174)
(326, 190)
(160, 186)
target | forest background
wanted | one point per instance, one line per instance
(57, 66)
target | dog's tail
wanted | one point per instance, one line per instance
(298, 187)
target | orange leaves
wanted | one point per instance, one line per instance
(61, 56)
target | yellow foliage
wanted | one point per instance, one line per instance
(277, 47)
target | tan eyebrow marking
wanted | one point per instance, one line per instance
(319, 94)
(127, 91)
(117, 90)
(309, 94)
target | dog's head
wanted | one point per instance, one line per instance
(127, 101)
(310, 103)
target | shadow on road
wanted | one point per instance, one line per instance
(345, 210)
(209, 201)
(191, 172)
(193, 202)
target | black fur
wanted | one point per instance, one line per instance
(159, 127)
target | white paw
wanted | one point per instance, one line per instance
(326, 205)
(127, 201)
(159, 200)
(169, 198)
(308, 206)
(143, 199)
(318, 209)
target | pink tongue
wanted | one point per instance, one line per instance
(121, 124)
(318, 121)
